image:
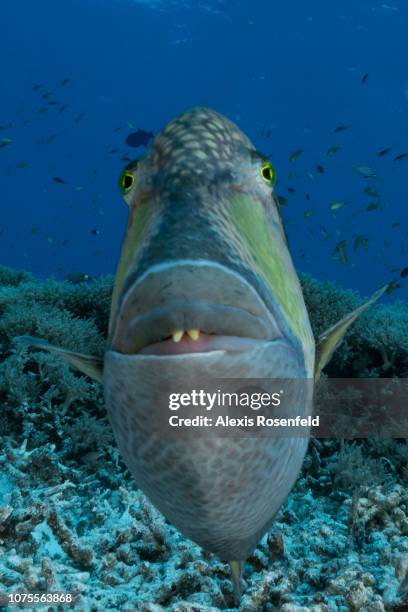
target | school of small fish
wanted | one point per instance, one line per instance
(132, 136)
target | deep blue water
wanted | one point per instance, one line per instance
(287, 72)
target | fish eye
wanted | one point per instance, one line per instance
(126, 181)
(268, 173)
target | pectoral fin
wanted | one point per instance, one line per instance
(87, 364)
(332, 337)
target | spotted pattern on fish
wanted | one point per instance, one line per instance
(210, 202)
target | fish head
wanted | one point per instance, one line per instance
(205, 249)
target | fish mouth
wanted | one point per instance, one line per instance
(191, 307)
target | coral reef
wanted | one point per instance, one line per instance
(72, 518)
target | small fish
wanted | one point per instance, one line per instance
(117, 128)
(64, 82)
(393, 286)
(320, 169)
(343, 256)
(79, 117)
(78, 188)
(360, 241)
(57, 179)
(52, 103)
(400, 156)
(95, 231)
(25, 122)
(21, 165)
(396, 224)
(140, 138)
(341, 128)
(291, 190)
(34, 230)
(383, 152)
(323, 230)
(373, 206)
(337, 205)
(78, 277)
(62, 108)
(296, 154)
(371, 192)
(43, 109)
(364, 78)
(331, 151)
(282, 201)
(404, 272)
(308, 213)
(46, 95)
(307, 197)
(365, 171)
(37, 86)
(340, 248)
(113, 150)
(5, 142)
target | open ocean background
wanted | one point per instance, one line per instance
(288, 73)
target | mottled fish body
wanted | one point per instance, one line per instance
(206, 289)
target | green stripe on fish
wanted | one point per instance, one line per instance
(263, 241)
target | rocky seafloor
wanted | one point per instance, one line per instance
(73, 520)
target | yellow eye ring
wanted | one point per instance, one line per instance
(268, 173)
(126, 181)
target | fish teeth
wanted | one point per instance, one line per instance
(194, 333)
(177, 335)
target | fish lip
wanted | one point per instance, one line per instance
(157, 357)
(159, 324)
(185, 295)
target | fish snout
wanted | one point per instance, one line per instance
(201, 299)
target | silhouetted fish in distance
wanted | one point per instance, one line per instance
(140, 138)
